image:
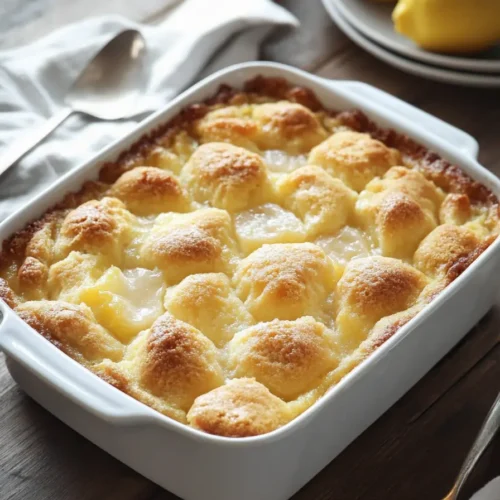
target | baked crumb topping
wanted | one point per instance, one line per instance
(233, 265)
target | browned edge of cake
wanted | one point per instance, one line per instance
(443, 173)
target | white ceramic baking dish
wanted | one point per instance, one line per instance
(197, 466)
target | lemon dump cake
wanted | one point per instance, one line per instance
(233, 266)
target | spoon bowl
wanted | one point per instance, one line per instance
(108, 88)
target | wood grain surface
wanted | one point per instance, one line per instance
(413, 452)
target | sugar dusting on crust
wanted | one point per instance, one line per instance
(227, 176)
(187, 244)
(72, 328)
(241, 408)
(446, 175)
(288, 357)
(8, 295)
(89, 222)
(445, 247)
(285, 281)
(188, 368)
(150, 190)
(178, 363)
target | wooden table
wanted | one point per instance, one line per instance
(414, 450)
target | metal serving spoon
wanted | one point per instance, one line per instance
(107, 89)
(486, 434)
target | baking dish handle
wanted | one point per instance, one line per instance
(454, 136)
(40, 357)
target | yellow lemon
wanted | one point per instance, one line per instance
(449, 25)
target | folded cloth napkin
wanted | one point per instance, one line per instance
(196, 38)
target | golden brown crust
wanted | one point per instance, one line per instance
(241, 408)
(323, 203)
(96, 226)
(226, 176)
(385, 328)
(288, 357)
(456, 209)
(117, 375)
(280, 89)
(354, 158)
(146, 211)
(32, 273)
(177, 362)
(444, 174)
(443, 247)
(198, 242)
(399, 210)
(68, 276)
(113, 375)
(147, 145)
(208, 302)
(376, 285)
(465, 260)
(372, 288)
(396, 221)
(41, 245)
(71, 328)
(91, 190)
(189, 244)
(378, 335)
(289, 126)
(413, 184)
(32, 278)
(448, 176)
(230, 124)
(150, 190)
(8, 295)
(281, 125)
(14, 247)
(285, 281)
(89, 222)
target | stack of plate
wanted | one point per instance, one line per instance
(369, 25)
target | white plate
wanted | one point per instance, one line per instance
(415, 68)
(374, 20)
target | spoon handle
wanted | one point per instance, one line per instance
(488, 431)
(17, 150)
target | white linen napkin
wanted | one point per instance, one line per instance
(34, 80)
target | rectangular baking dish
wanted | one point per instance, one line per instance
(197, 466)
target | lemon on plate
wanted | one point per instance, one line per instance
(460, 26)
